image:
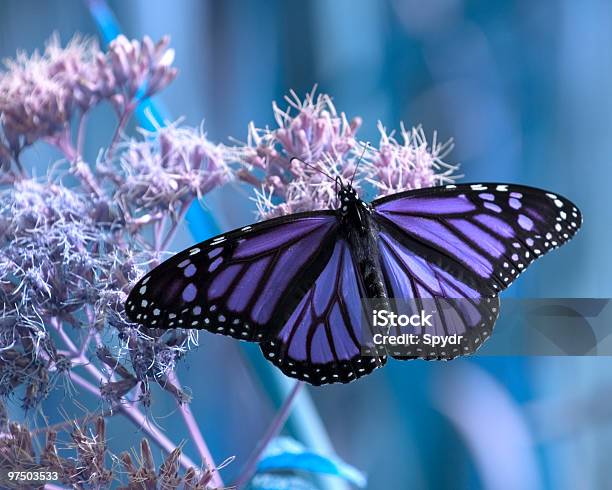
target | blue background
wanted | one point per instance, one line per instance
(525, 90)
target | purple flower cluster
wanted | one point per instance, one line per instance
(162, 170)
(311, 130)
(39, 95)
(70, 254)
(326, 142)
(410, 163)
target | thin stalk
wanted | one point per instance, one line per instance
(174, 227)
(158, 229)
(22, 171)
(123, 120)
(81, 133)
(81, 421)
(273, 430)
(197, 437)
(78, 167)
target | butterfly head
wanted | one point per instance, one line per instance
(350, 205)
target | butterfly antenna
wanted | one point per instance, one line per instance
(359, 161)
(313, 167)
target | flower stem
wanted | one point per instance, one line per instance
(81, 421)
(81, 133)
(78, 167)
(174, 227)
(197, 437)
(273, 430)
(22, 172)
(123, 120)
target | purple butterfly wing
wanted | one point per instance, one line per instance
(321, 341)
(458, 246)
(485, 233)
(417, 284)
(243, 283)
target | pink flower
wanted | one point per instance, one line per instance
(313, 131)
(139, 69)
(165, 168)
(36, 93)
(40, 94)
(408, 164)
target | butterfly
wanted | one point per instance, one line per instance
(295, 284)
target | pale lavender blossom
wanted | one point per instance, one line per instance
(326, 145)
(41, 94)
(69, 255)
(410, 163)
(137, 69)
(63, 267)
(311, 130)
(161, 171)
(73, 243)
(37, 92)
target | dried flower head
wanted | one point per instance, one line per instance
(163, 169)
(84, 461)
(139, 69)
(325, 141)
(40, 94)
(407, 164)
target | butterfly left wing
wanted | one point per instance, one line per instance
(321, 341)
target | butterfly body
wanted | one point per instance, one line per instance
(360, 230)
(296, 284)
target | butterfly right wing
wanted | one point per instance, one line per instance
(241, 283)
(463, 244)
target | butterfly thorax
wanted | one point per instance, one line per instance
(361, 232)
